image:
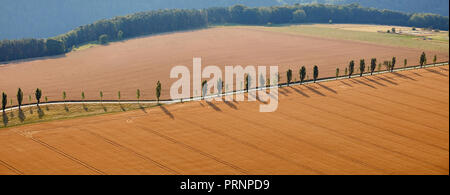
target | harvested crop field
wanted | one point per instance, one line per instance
(394, 123)
(139, 63)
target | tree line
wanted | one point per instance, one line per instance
(160, 21)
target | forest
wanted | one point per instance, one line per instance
(169, 20)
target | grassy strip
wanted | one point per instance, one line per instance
(47, 113)
(388, 39)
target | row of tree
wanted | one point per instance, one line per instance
(390, 65)
(160, 21)
(38, 95)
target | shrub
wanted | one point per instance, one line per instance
(101, 96)
(316, 73)
(362, 67)
(351, 68)
(138, 94)
(4, 101)
(103, 39)
(373, 65)
(120, 35)
(423, 59)
(38, 95)
(337, 73)
(205, 88)
(289, 76)
(19, 97)
(302, 74)
(158, 91)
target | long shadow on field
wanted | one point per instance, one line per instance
(315, 91)
(403, 76)
(374, 81)
(122, 108)
(231, 105)
(85, 108)
(22, 116)
(41, 113)
(167, 112)
(142, 108)
(444, 69)
(364, 83)
(282, 92)
(214, 106)
(346, 84)
(5, 119)
(388, 80)
(327, 88)
(300, 92)
(436, 72)
(417, 74)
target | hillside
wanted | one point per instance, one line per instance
(47, 18)
(411, 6)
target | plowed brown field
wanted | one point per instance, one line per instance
(140, 63)
(395, 123)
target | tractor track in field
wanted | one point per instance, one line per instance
(354, 138)
(11, 168)
(56, 150)
(289, 136)
(186, 146)
(254, 147)
(148, 159)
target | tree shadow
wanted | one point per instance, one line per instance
(285, 90)
(258, 99)
(282, 92)
(346, 84)
(388, 80)
(66, 108)
(12, 114)
(436, 72)
(122, 108)
(213, 106)
(444, 69)
(104, 108)
(364, 83)
(85, 108)
(231, 105)
(142, 108)
(417, 74)
(22, 116)
(41, 113)
(5, 119)
(374, 81)
(403, 76)
(315, 91)
(167, 112)
(31, 110)
(46, 108)
(300, 92)
(327, 88)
